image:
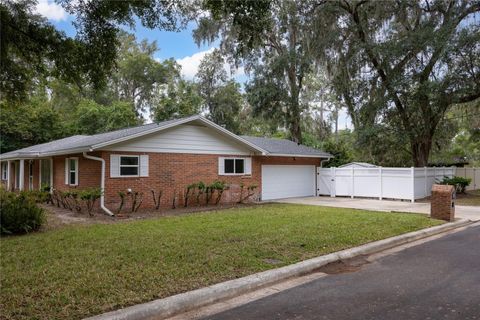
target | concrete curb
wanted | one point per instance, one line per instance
(167, 307)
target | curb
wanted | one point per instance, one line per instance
(173, 305)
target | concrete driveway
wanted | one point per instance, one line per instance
(464, 212)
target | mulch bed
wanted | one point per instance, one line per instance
(57, 217)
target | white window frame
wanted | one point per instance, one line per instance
(120, 165)
(234, 166)
(68, 171)
(4, 171)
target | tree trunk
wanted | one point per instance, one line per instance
(296, 130)
(421, 151)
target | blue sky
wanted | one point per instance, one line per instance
(179, 45)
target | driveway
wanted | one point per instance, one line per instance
(438, 279)
(464, 212)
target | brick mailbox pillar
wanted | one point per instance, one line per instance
(443, 202)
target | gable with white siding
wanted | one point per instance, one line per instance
(183, 139)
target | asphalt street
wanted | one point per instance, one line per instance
(439, 279)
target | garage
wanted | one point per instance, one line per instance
(287, 181)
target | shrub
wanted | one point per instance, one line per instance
(37, 196)
(459, 183)
(90, 196)
(19, 213)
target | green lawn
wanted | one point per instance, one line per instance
(79, 271)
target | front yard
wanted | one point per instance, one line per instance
(77, 271)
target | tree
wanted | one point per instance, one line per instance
(276, 48)
(406, 64)
(91, 117)
(221, 96)
(31, 47)
(179, 99)
(138, 76)
(26, 124)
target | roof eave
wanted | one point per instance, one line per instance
(300, 155)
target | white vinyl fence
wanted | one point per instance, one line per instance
(472, 173)
(392, 183)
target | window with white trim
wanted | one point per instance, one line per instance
(129, 166)
(71, 171)
(234, 166)
(4, 170)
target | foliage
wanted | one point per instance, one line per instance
(460, 183)
(139, 76)
(32, 48)
(91, 117)
(179, 99)
(405, 64)
(221, 96)
(279, 53)
(19, 213)
(25, 124)
(89, 196)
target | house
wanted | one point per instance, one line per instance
(165, 156)
(360, 165)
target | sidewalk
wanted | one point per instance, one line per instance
(463, 212)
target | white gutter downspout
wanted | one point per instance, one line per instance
(102, 182)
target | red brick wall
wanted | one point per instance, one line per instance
(89, 173)
(168, 172)
(171, 173)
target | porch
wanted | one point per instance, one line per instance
(27, 174)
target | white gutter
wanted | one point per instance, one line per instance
(102, 182)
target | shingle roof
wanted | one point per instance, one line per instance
(81, 143)
(86, 141)
(286, 147)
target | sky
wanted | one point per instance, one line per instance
(177, 45)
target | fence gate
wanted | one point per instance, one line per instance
(325, 185)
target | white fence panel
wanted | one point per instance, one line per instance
(397, 183)
(343, 182)
(392, 183)
(472, 173)
(367, 182)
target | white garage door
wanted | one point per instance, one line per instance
(286, 181)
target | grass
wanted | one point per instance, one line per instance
(79, 271)
(470, 198)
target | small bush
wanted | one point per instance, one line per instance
(19, 213)
(459, 183)
(89, 197)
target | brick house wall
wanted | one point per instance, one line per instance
(173, 172)
(89, 174)
(170, 173)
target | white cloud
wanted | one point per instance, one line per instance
(191, 63)
(51, 10)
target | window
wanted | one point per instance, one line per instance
(234, 166)
(4, 170)
(71, 171)
(129, 165)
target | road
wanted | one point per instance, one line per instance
(439, 279)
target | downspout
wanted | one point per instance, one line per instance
(102, 182)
